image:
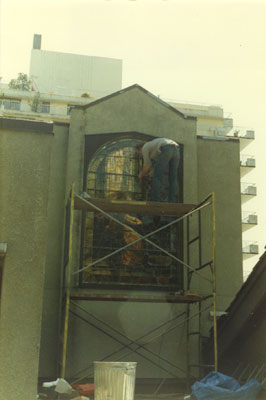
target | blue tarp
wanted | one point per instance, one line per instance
(217, 386)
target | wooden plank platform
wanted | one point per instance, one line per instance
(133, 207)
(83, 294)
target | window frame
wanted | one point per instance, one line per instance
(45, 107)
(14, 104)
(92, 144)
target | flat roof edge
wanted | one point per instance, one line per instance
(21, 124)
(218, 139)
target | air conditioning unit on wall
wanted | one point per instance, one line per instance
(251, 190)
(250, 162)
(253, 248)
(252, 219)
(250, 134)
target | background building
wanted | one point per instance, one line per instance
(212, 122)
(36, 105)
(73, 74)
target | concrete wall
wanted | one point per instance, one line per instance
(218, 172)
(134, 320)
(24, 179)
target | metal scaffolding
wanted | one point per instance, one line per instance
(197, 239)
(110, 209)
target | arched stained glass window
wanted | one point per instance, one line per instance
(112, 173)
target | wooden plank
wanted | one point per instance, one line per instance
(134, 207)
(167, 298)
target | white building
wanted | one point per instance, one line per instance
(73, 74)
(211, 122)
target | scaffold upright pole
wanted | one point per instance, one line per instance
(67, 286)
(214, 285)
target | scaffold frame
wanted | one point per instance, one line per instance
(183, 212)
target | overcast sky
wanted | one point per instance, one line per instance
(195, 51)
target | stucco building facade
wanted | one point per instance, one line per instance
(36, 182)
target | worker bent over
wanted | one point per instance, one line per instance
(163, 155)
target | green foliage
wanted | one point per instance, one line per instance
(21, 83)
(35, 102)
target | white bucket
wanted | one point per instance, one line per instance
(114, 380)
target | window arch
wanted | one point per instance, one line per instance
(113, 171)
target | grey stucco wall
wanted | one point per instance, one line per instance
(54, 253)
(139, 322)
(131, 111)
(24, 180)
(136, 111)
(219, 172)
